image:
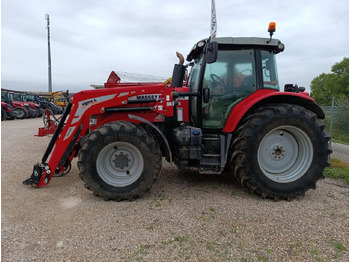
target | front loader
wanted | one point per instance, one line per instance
(227, 116)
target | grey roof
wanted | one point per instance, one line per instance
(126, 77)
(247, 41)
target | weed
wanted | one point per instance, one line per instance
(269, 251)
(180, 239)
(152, 224)
(144, 248)
(203, 217)
(222, 233)
(263, 258)
(212, 246)
(294, 248)
(234, 229)
(314, 252)
(338, 169)
(339, 246)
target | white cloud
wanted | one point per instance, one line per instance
(91, 38)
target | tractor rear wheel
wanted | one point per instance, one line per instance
(280, 151)
(21, 112)
(119, 160)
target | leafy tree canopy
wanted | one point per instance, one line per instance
(336, 84)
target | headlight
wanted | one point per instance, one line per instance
(201, 44)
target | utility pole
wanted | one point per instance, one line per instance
(47, 17)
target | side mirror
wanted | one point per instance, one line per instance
(206, 95)
(212, 52)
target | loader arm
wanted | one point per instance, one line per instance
(75, 122)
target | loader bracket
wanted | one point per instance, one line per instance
(50, 125)
(34, 179)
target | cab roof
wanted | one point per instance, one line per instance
(246, 41)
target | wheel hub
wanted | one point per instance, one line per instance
(278, 152)
(121, 161)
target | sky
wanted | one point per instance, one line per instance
(90, 38)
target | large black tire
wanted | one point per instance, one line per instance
(280, 151)
(41, 112)
(36, 112)
(3, 115)
(31, 113)
(21, 112)
(119, 160)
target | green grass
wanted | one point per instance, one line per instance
(340, 133)
(339, 136)
(339, 246)
(338, 170)
(339, 249)
(144, 248)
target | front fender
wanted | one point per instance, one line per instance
(267, 96)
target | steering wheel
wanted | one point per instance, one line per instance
(247, 70)
(217, 80)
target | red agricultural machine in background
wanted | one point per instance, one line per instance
(22, 109)
(7, 112)
(228, 116)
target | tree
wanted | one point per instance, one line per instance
(336, 84)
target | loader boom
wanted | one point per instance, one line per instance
(110, 104)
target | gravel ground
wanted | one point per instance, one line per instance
(186, 216)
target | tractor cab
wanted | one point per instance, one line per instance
(227, 70)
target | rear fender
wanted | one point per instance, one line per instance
(266, 96)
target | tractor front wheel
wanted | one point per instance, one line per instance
(119, 161)
(280, 151)
(3, 115)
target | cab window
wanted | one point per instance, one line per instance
(229, 80)
(269, 69)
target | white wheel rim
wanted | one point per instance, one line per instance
(285, 154)
(119, 164)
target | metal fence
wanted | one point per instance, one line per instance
(337, 125)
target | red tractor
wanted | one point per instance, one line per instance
(226, 116)
(20, 108)
(7, 112)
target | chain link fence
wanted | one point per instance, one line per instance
(337, 125)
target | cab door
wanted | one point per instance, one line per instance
(225, 83)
